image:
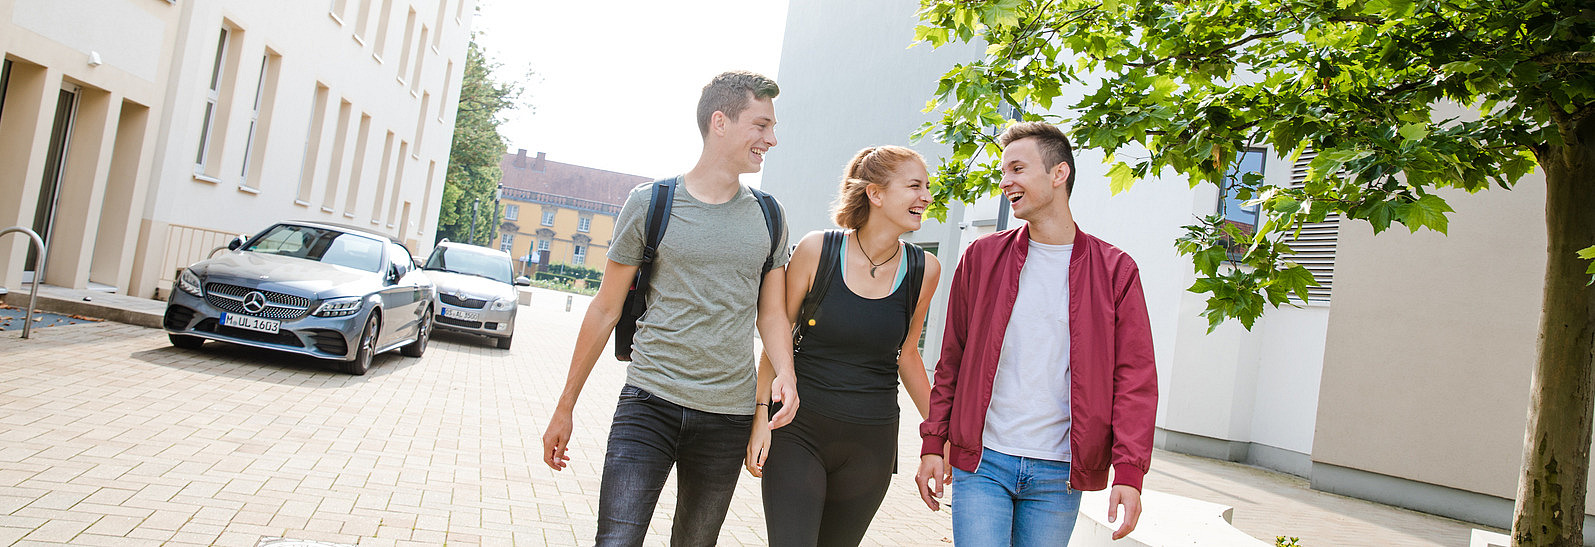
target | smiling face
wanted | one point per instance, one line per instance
(747, 136)
(903, 198)
(1027, 184)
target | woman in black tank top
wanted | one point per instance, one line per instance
(825, 473)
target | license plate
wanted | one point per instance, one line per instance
(463, 315)
(251, 323)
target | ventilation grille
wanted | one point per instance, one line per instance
(1314, 248)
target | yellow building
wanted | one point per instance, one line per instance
(559, 213)
(138, 135)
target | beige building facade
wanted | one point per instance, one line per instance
(558, 212)
(139, 135)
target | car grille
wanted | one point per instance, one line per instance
(177, 317)
(282, 338)
(230, 298)
(329, 341)
(457, 322)
(462, 302)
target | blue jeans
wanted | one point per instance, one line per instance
(1010, 500)
(648, 437)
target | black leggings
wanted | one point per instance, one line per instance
(824, 479)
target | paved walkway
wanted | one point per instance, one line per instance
(110, 436)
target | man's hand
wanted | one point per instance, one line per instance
(1130, 498)
(758, 449)
(557, 439)
(930, 478)
(783, 390)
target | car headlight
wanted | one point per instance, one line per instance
(503, 304)
(189, 282)
(339, 307)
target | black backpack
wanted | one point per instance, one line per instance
(830, 251)
(664, 195)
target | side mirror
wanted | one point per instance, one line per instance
(523, 281)
(392, 277)
(238, 241)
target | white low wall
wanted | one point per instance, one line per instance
(1166, 520)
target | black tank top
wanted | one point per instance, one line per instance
(846, 364)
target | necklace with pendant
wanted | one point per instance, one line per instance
(872, 264)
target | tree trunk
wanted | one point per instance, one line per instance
(1550, 495)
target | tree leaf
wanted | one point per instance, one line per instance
(1122, 178)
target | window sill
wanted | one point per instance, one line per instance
(248, 189)
(347, 214)
(335, 17)
(375, 222)
(327, 210)
(207, 178)
(377, 57)
(301, 203)
(358, 40)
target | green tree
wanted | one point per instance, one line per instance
(1183, 85)
(474, 174)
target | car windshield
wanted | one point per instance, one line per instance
(493, 267)
(321, 245)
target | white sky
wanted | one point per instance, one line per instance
(616, 81)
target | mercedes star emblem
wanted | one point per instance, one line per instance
(254, 302)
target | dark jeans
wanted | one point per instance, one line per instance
(649, 435)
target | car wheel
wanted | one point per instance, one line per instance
(418, 347)
(185, 341)
(504, 343)
(368, 346)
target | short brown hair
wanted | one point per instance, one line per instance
(1054, 146)
(872, 165)
(729, 93)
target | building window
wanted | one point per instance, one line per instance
(260, 119)
(1236, 212)
(512, 212)
(584, 224)
(543, 245)
(212, 97)
(5, 74)
(507, 243)
(548, 217)
(579, 256)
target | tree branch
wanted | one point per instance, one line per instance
(1210, 53)
(1566, 58)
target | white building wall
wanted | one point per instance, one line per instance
(378, 79)
(1229, 390)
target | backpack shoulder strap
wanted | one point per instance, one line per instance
(774, 221)
(830, 253)
(664, 195)
(659, 206)
(914, 260)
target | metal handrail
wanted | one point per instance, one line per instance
(38, 275)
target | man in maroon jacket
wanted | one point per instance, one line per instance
(1046, 378)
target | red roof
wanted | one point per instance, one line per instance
(537, 174)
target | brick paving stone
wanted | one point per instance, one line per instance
(111, 436)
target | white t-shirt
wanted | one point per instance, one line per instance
(1029, 411)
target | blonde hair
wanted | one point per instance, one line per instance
(872, 165)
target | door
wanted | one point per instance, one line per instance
(54, 163)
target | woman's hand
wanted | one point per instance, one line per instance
(758, 444)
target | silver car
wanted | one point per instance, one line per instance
(474, 291)
(323, 290)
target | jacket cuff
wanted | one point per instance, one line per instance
(932, 444)
(1129, 475)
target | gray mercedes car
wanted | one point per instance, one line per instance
(474, 292)
(335, 292)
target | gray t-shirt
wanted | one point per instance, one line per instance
(694, 345)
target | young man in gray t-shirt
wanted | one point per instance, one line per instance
(689, 397)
